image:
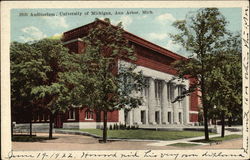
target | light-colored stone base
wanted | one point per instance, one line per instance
(84, 125)
(36, 127)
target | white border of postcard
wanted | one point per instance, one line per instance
(6, 148)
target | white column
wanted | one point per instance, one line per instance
(146, 116)
(164, 111)
(130, 118)
(121, 116)
(151, 101)
(137, 117)
(175, 105)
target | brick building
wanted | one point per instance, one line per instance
(157, 108)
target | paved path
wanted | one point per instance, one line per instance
(80, 142)
(187, 140)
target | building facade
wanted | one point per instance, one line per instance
(157, 109)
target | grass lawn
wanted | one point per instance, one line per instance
(146, 134)
(29, 139)
(216, 139)
(183, 144)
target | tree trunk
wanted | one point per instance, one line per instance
(30, 128)
(205, 109)
(229, 121)
(105, 118)
(222, 124)
(206, 123)
(30, 124)
(51, 120)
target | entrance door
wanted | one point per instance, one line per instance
(169, 117)
(157, 117)
(180, 117)
(143, 117)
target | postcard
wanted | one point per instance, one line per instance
(125, 80)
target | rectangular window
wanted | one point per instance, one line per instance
(72, 114)
(169, 91)
(48, 118)
(143, 117)
(172, 88)
(38, 117)
(146, 90)
(180, 90)
(33, 118)
(43, 117)
(169, 117)
(157, 117)
(158, 91)
(180, 118)
(89, 115)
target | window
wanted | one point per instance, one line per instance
(146, 90)
(171, 89)
(157, 117)
(72, 114)
(89, 115)
(38, 117)
(43, 117)
(158, 91)
(169, 117)
(180, 90)
(33, 118)
(180, 118)
(143, 117)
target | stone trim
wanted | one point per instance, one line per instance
(73, 40)
(193, 112)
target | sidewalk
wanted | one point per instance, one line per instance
(187, 140)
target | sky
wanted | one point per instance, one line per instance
(154, 25)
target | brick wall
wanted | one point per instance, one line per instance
(193, 117)
(97, 117)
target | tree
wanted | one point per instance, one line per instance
(23, 67)
(200, 34)
(39, 66)
(52, 92)
(104, 83)
(227, 80)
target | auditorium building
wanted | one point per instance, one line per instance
(157, 108)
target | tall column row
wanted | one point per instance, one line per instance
(168, 112)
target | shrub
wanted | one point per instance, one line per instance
(115, 127)
(128, 127)
(110, 127)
